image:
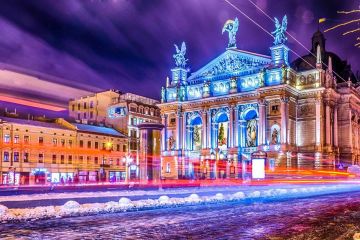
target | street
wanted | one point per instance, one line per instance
(322, 217)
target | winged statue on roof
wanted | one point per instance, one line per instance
(179, 56)
(280, 30)
(231, 26)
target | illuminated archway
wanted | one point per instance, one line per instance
(250, 127)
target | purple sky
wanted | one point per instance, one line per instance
(128, 44)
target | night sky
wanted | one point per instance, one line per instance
(128, 44)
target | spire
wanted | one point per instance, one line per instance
(167, 81)
(318, 57)
(330, 67)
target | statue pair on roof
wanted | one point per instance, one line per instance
(232, 26)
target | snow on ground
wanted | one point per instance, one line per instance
(73, 208)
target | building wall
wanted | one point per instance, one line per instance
(61, 149)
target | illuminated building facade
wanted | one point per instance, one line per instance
(40, 152)
(122, 111)
(301, 114)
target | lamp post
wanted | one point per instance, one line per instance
(127, 159)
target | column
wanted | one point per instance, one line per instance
(164, 133)
(184, 133)
(327, 124)
(236, 128)
(284, 119)
(336, 144)
(209, 127)
(262, 117)
(242, 133)
(178, 130)
(317, 122)
(231, 126)
(204, 129)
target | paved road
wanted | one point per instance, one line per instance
(323, 217)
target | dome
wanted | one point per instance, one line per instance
(308, 62)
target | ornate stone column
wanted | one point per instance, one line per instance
(317, 122)
(262, 117)
(336, 143)
(231, 126)
(236, 127)
(209, 127)
(242, 133)
(327, 124)
(204, 129)
(184, 132)
(284, 119)
(164, 133)
(178, 123)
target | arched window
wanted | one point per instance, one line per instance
(196, 133)
(222, 130)
(251, 130)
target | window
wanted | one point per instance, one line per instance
(91, 104)
(84, 105)
(118, 162)
(73, 107)
(70, 159)
(16, 157)
(124, 148)
(85, 115)
(6, 138)
(6, 156)
(63, 142)
(88, 159)
(16, 139)
(78, 116)
(91, 115)
(55, 141)
(118, 147)
(81, 143)
(70, 143)
(89, 144)
(96, 160)
(41, 140)
(41, 158)
(96, 145)
(168, 169)
(26, 139)
(26, 157)
(53, 159)
(81, 159)
(62, 159)
(78, 106)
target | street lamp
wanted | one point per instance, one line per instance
(127, 159)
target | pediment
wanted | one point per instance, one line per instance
(231, 63)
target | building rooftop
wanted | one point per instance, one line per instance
(98, 130)
(33, 123)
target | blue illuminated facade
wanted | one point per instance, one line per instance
(239, 103)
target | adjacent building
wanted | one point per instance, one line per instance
(57, 151)
(304, 114)
(121, 111)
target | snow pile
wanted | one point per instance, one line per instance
(193, 198)
(238, 195)
(219, 197)
(254, 194)
(3, 210)
(164, 199)
(73, 208)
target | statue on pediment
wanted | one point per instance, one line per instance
(231, 26)
(280, 30)
(179, 56)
